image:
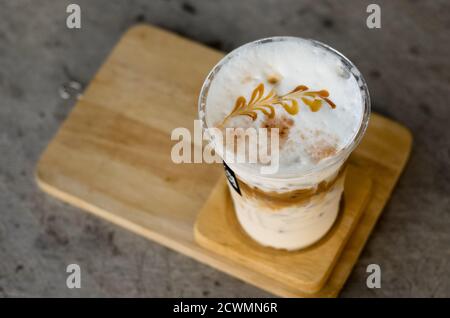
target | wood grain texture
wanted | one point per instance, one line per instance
(218, 230)
(112, 154)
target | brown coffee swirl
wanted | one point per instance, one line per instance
(276, 200)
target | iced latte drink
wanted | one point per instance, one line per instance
(318, 104)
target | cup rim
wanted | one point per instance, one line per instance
(343, 153)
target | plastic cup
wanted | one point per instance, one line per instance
(289, 211)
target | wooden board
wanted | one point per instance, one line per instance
(218, 229)
(112, 154)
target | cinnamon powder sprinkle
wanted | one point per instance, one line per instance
(273, 79)
(283, 124)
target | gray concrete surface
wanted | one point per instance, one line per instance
(407, 67)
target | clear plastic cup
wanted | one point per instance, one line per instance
(289, 211)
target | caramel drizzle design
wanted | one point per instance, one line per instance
(276, 200)
(266, 104)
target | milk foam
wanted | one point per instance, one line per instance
(294, 62)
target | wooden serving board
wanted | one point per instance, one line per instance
(112, 154)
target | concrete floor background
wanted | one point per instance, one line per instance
(406, 64)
